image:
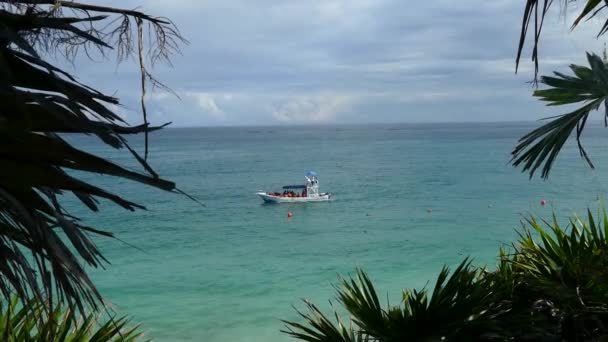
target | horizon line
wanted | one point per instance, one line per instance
(330, 124)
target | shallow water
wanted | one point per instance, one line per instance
(231, 270)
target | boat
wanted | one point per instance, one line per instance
(308, 192)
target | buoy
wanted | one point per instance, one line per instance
(429, 210)
(543, 202)
(289, 214)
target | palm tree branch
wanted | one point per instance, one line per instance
(541, 146)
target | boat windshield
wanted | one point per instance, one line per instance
(294, 187)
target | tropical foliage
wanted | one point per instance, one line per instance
(31, 322)
(43, 249)
(550, 286)
(586, 86)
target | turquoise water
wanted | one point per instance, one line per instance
(231, 270)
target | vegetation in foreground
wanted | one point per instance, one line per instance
(553, 289)
(30, 321)
(44, 251)
(551, 285)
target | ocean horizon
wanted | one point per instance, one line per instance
(527, 123)
(408, 199)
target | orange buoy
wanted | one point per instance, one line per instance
(289, 214)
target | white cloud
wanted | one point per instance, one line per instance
(349, 61)
(207, 102)
(313, 109)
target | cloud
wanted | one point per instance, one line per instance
(312, 109)
(275, 61)
(208, 104)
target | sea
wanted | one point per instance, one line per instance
(407, 200)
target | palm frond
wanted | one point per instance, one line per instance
(43, 249)
(29, 321)
(550, 286)
(535, 12)
(560, 276)
(319, 328)
(542, 146)
(454, 309)
(360, 299)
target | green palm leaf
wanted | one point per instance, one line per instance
(541, 147)
(535, 12)
(29, 321)
(456, 308)
(550, 286)
(43, 250)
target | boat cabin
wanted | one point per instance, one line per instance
(308, 192)
(310, 189)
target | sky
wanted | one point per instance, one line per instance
(270, 62)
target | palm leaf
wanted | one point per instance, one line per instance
(535, 12)
(550, 286)
(28, 321)
(455, 309)
(542, 146)
(39, 102)
(320, 328)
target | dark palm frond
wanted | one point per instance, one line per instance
(535, 12)
(550, 286)
(570, 260)
(542, 146)
(559, 257)
(319, 328)
(43, 250)
(532, 10)
(459, 304)
(29, 321)
(560, 278)
(455, 309)
(360, 299)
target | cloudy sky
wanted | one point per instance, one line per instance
(271, 62)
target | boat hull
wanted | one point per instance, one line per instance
(280, 199)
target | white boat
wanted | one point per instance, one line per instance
(308, 192)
